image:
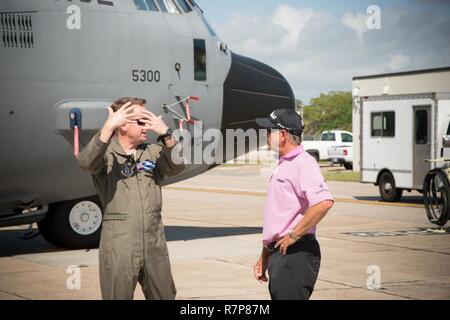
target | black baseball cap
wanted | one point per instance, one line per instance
(286, 119)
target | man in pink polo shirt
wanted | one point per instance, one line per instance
(298, 198)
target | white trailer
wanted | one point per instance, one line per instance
(400, 127)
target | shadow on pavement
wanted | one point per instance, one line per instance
(11, 244)
(404, 199)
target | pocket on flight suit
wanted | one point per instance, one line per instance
(116, 224)
(157, 236)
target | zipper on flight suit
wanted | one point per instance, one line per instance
(142, 220)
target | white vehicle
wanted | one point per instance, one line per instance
(401, 128)
(319, 148)
(342, 155)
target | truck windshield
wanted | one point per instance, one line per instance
(328, 136)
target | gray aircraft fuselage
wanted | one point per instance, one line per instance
(60, 54)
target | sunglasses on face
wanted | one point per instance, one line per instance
(140, 123)
(270, 130)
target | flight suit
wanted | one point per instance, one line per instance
(132, 245)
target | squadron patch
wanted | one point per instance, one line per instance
(127, 170)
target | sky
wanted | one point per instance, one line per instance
(320, 45)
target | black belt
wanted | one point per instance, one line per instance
(308, 237)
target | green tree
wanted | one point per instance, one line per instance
(327, 112)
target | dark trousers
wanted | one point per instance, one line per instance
(293, 276)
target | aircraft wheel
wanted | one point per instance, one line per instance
(388, 190)
(74, 224)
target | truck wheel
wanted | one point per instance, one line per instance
(73, 224)
(348, 166)
(388, 191)
(315, 156)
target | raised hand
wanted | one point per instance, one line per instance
(117, 119)
(153, 122)
(122, 116)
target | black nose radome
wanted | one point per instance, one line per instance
(251, 90)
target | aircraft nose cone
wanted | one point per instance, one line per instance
(252, 90)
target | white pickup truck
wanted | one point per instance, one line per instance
(319, 148)
(342, 155)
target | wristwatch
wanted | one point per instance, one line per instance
(165, 135)
(293, 235)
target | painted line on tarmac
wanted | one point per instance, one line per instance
(249, 192)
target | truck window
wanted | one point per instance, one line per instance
(346, 137)
(383, 124)
(421, 133)
(328, 136)
(199, 60)
(448, 129)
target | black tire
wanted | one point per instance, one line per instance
(46, 228)
(436, 195)
(348, 166)
(315, 156)
(56, 229)
(388, 190)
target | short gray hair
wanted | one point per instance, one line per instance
(297, 140)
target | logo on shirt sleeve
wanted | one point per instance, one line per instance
(322, 188)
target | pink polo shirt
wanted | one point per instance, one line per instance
(296, 184)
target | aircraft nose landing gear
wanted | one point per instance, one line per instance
(436, 194)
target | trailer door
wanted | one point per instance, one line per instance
(422, 144)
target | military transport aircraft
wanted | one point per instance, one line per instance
(74, 57)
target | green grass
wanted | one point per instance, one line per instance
(347, 175)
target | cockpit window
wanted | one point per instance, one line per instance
(184, 5)
(147, 5)
(168, 6)
(194, 4)
(199, 60)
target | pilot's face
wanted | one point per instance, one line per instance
(136, 131)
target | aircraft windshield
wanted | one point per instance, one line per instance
(168, 6)
(184, 5)
(147, 5)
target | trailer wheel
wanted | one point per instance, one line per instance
(388, 190)
(74, 224)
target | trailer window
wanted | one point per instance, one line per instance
(421, 126)
(346, 137)
(383, 124)
(199, 60)
(328, 136)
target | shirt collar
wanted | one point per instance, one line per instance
(117, 147)
(293, 153)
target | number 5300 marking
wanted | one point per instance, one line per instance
(146, 76)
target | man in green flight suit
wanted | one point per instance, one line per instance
(127, 174)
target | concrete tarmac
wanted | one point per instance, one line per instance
(213, 223)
